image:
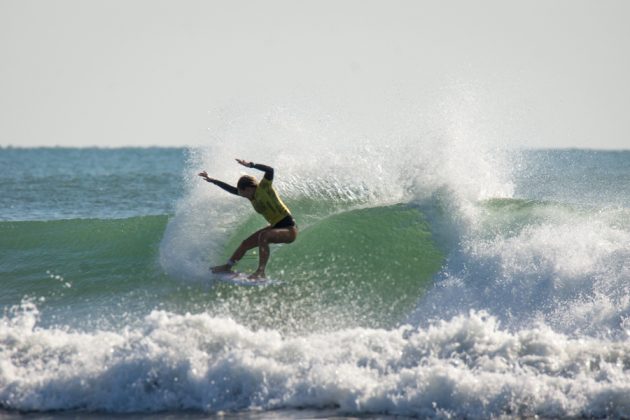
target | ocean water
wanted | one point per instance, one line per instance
(430, 279)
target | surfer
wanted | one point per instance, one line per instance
(282, 228)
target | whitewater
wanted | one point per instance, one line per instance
(436, 275)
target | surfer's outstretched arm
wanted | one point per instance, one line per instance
(223, 185)
(267, 169)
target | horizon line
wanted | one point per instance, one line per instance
(191, 146)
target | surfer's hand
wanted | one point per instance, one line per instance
(205, 176)
(244, 163)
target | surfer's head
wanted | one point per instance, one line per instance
(247, 186)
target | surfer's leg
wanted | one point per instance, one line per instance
(272, 236)
(246, 245)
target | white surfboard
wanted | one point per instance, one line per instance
(241, 279)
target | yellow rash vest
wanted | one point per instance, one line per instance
(267, 202)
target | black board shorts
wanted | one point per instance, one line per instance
(287, 222)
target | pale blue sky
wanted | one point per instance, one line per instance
(155, 72)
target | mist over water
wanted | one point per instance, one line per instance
(345, 161)
(436, 274)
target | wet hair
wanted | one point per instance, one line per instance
(246, 181)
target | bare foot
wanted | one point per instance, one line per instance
(221, 269)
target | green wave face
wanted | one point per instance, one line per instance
(83, 263)
(362, 267)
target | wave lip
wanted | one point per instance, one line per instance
(467, 366)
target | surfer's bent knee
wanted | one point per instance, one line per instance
(294, 234)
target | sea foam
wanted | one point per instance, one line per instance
(468, 366)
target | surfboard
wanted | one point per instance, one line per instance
(240, 279)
